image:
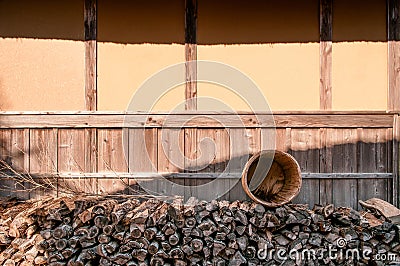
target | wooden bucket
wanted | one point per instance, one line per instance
(279, 179)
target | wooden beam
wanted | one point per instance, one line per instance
(193, 120)
(191, 54)
(325, 53)
(90, 16)
(396, 161)
(142, 176)
(90, 159)
(393, 54)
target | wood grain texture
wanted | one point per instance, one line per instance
(325, 186)
(90, 23)
(243, 143)
(171, 156)
(344, 159)
(91, 153)
(195, 120)
(142, 152)
(111, 159)
(191, 54)
(396, 161)
(305, 144)
(43, 160)
(14, 155)
(206, 146)
(72, 158)
(374, 150)
(191, 155)
(394, 54)
(325, 86)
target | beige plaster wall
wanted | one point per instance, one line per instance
(41, 55)
(359, 52)
(136, 40)
(42, 51)
(275, 44)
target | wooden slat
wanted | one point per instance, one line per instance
(43, 160)
(222, 157)
(344, 159)
(171, 158)
(91, 153)
(213, 155)
(90, 23)
(72, 158)
(13, 147)
(326, 188)
(305, 144)
(206, 159)
(243, 143)
(111, 159)
(20, 149)
(191, 54)
(194, 120)
(393, 54)
(191, 155)
(373, 157)
(325, 53)
(142, 150)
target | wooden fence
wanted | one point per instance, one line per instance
(344, 156)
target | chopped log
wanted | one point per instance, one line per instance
(103, 239)
(381, 206)
(174, 239)
(136, 230)
(61, 244)
(190, 222)
(101, 221)
(165, 246)
(111, 247)
(73, 241)
(153, 248)
(40, 260)
(139, 254)
(176, 253)
(196, 244)
(68, 252)
(121, 258)
(108, 229)
(156, 261)
(101, 250)
(169, 229)
(150, 233)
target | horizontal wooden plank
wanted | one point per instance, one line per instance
(188, 120)
(293, 112)
(232, 175)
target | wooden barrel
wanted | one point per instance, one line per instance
(278, 175)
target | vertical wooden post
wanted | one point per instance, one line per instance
(90, 17)
(393, 24)
(325, 48)
(393, 103)
(396, 160)
(191, 54)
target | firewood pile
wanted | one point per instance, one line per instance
(138, 231)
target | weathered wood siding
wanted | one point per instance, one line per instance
(344, 157)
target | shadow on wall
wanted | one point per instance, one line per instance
(219, 22)
(357, 157)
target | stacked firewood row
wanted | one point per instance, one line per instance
(139, 231)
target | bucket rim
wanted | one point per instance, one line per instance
(245, 185)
